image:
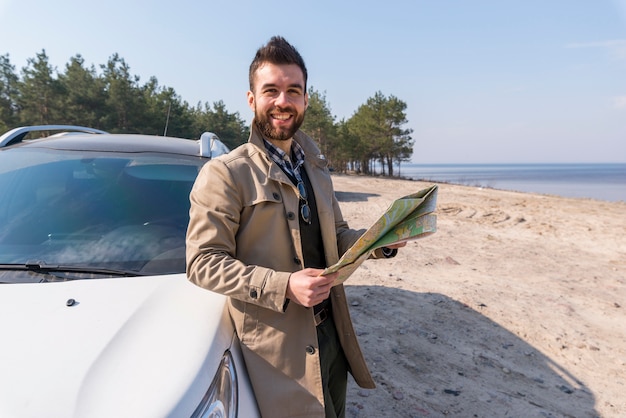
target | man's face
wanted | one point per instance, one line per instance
(279, 100)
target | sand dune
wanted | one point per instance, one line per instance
(516, 307)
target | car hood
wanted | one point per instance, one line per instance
(128, 347)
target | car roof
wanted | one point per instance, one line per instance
(115, 143)
(79, 138)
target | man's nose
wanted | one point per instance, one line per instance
(282, 99)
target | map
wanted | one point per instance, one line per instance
(408, 218)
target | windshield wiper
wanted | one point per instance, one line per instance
(42, 267)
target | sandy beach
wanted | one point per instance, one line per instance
(516, 307)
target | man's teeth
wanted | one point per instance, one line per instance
(281, 117)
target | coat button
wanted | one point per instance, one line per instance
(297, 260)
(291, 216)
(253, 294)
(276, 196)
(310, 349)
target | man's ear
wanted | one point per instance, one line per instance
(250, 96)
(306, 101)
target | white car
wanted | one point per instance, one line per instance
(97, 317)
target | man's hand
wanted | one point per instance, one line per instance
(307, 288)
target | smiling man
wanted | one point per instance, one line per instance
(264, 223)
(279, 102)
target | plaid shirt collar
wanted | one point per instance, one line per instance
(284, 161)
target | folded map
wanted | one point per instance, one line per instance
(408, 218)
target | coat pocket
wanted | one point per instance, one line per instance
(248, 333)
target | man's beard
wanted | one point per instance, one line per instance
(264, 123)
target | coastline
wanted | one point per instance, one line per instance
(602, 181)
(514, 307)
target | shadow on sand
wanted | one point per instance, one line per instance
(354, 197)
(453, 362)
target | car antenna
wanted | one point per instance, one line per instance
(167, 121)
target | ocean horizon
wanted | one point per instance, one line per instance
(603, 181)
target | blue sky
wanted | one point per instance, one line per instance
(485, 81)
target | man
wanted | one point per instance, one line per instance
(264, 223)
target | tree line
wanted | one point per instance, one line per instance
(114, 100)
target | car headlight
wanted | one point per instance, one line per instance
(220, 400)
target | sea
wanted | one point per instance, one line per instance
(594, 181)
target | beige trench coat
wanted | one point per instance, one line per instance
(243, 241)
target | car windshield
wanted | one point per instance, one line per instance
(70, 214)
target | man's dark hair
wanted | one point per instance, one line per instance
(278, 52)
